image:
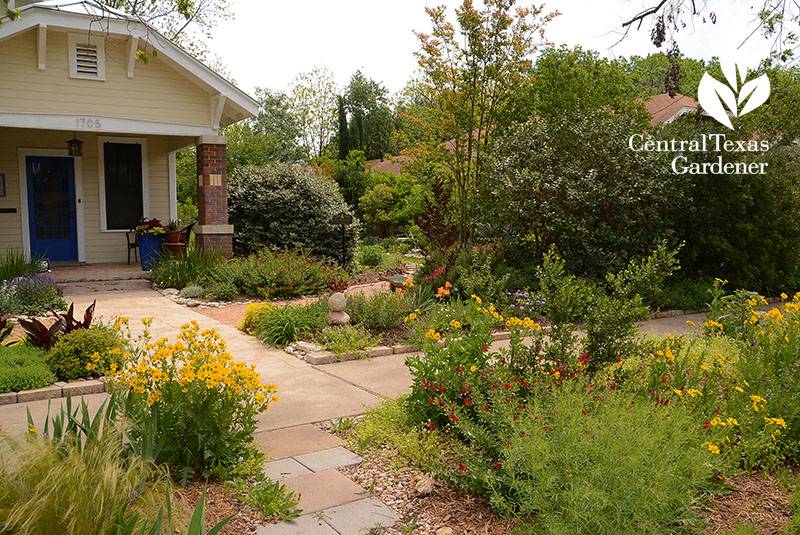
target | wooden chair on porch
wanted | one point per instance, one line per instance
(133, 244)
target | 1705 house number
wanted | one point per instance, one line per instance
(88, 122)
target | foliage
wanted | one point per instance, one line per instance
(312, 102)
(23, 368)
(391, 203)
(380, 311)
(597, 201)
(38, 334)
(192, 292)
(283, 325)
(570, 82)
(253, 314)
(471, 73)
(347, 339)
(681, 294)
(220, 289)
(756, 251)
(6, 328)
(282, 274)
(13, 264)
(733, 314)
(179, 271)
(370, 255)
(273, 499)
(192, 399)
(551, 460)
(350, 174)
(82, 353)
(269, 137)
(372, 121)
(30, 295)
(79, 489)
(70, 322)
(474, 274)
(280, 206)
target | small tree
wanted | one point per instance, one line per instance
(343, 137)
(313, 104)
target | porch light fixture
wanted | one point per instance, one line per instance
(75, 146)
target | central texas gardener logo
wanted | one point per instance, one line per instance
(734, 99)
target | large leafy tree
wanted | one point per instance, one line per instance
(367, 103)
(471, 72)
(313, 104)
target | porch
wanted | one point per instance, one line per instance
(69, 204)
(79, 279)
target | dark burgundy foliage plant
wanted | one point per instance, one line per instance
(72, 324)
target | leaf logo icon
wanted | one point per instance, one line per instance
(734, 99)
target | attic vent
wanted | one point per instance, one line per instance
(87, 58)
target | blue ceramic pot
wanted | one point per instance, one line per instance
(149, 250)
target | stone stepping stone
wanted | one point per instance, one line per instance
(304, 525)
(323, 490)
(284, 469)
(293, 441)
(360, 517)
(327, 459)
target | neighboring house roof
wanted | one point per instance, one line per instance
(392, 164)
(84, 15)
(664, 108)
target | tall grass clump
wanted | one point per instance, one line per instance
(179, 271)
(283, 325)
(14, 264)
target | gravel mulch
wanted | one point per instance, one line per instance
(428, 513)
(756, 499)
(221, 503)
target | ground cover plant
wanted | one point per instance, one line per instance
(23, 367)
(347, 339)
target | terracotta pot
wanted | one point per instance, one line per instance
(173, 236)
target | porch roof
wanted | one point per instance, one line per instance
(90, 15)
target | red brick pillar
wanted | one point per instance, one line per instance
(213, 231)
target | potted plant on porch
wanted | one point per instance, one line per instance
(150, 235)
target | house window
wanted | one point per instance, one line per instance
(87, 57)
(123, 185)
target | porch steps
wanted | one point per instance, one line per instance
(95, 278)
(89, 287)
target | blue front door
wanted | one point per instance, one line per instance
(51, 207)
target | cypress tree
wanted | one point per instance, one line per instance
(344, 134)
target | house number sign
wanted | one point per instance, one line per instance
(91, 123)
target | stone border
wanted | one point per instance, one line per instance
(57, 390)
(673, 313)
(316, 355)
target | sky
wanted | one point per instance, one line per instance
(268, 42)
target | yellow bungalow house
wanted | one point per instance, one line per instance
(88, 132)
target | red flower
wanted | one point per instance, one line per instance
(584, 359)
(431, 426)
(453, 418)
(498, 465)
(507, 386)
(619, 360)
(486, 408)
(546, 428)
(462, 468)
(485, 348)
(706, 424)
(467, 401)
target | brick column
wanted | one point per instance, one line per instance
(213, 231)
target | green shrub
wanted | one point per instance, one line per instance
(681, 294)
(23, 368)
(283, 325)
(84, 353)
(253, 314)
(180, 271)
(380, 311)
(192, 292)
(281, 206)
(370, 255)
(273, 499)
(221, 290)
(347, 339)
(283, 274)
(557, 465)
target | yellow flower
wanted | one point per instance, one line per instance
(529, 324)
(711, 447)
(739, 389)
(713, 325)
(669, 354)
(679, 392)
(90, 366)
(715, 421)
(455, 324)
(410, 317)
(780, 422)
(433, 335)
(690, 323)
(758, 403)
(705, 367)
(153, 397)
(774, 314)
(147, 322)
(784, 297)
(409, 282)
(477, 299)
(732, 421)
(473, 368)
(693, 392)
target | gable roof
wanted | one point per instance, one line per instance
(83, 15)
(664, 108)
